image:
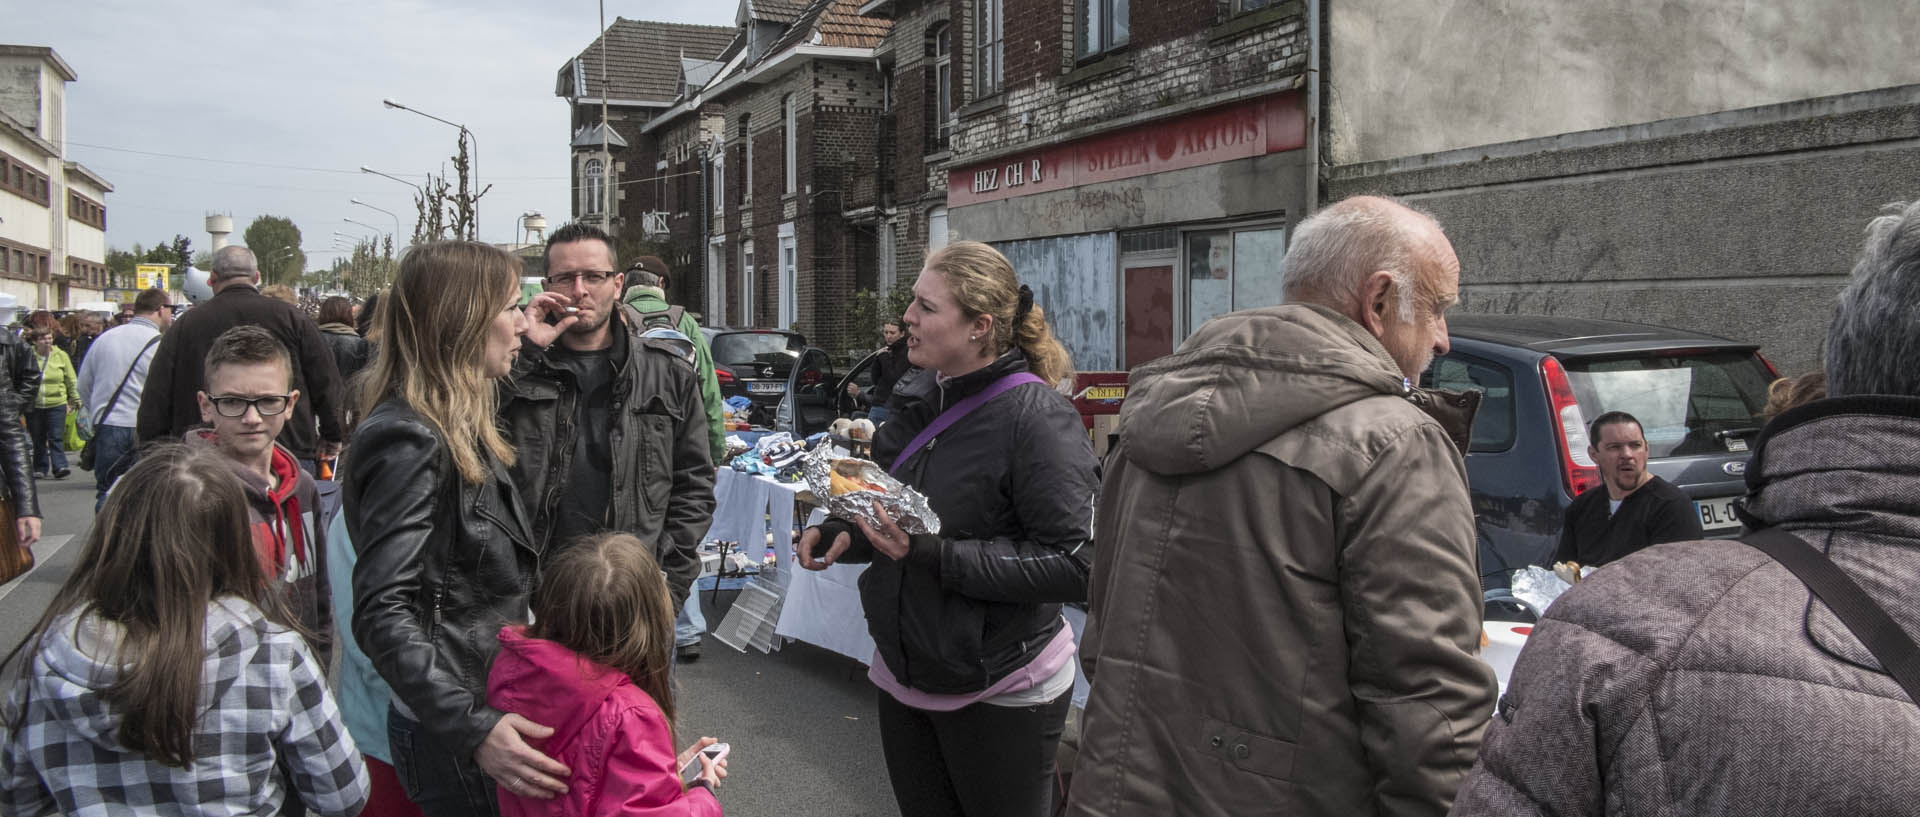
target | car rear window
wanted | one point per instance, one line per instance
(1493, 423)
(1689, 404)
(736, 348)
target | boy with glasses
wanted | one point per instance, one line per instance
(247, 400)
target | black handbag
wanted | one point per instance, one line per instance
(1890, 645)
(87, 451)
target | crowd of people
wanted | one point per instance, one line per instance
(1277, 559)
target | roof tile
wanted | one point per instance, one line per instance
(643, 57)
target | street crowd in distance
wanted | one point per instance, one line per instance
(432, 554)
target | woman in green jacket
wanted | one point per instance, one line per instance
(47, 422)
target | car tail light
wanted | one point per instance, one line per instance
(723, 375)
(1576, 466)
(1773, 372)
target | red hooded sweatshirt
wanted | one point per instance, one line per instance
(290, 538)
(609, 732)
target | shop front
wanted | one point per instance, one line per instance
(1134, 237)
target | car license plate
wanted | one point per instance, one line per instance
(1717, 514)
(767, 388)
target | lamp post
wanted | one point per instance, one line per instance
(377, 232)
(416, 188)
(473, 153)
(396, 219)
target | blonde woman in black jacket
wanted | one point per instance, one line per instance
(974, 662)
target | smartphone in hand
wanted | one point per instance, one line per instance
(713, 753)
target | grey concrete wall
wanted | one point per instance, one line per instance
(1743, 224)
(1258, 186)
(1407, 78)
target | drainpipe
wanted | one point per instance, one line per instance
(1314, 77)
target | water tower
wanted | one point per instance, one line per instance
(534, 223)
(219, 226)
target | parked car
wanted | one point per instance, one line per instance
(1545, 378)
(756, 363)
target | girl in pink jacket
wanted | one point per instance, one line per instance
(594, 667)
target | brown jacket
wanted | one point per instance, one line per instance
(1285, 605)
(1703, 678)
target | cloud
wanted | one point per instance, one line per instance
(299, 84)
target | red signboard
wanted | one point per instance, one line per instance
(1238, 131)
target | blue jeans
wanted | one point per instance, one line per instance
(112, 456)
(49, 429)
(435, 777)
(692, 622)
(879, 414)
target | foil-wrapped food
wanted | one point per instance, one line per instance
(848, 487)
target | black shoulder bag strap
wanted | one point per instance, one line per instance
(115, 399)
(1890, 645)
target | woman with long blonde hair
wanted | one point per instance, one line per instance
(973, 659)
(446, 557)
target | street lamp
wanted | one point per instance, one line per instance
(377, 232)
(396, 219)
(473, 153)
(416, 188)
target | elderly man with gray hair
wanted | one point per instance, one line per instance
(168, 406)
(1285, 604)
(1705, 677)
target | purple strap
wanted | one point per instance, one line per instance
(958, 410)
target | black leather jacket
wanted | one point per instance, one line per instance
(19, 385)
(662, 480)
(442, 566)
(1013, 484)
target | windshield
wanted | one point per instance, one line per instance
(1688, 404)
(737, 348)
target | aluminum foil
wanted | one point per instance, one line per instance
(1538, 587)
(907, 507)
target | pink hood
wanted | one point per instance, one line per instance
(549, 684)
(606, 730)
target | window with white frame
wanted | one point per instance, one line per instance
(989, 28)
(942, 95)
(593, 187)
(1103, 27)
(719, 178)
(746, 161)
(791, 126)
(747, 276)
(789, 278)
(1250, 5)
(936, 228)
(1232, 268)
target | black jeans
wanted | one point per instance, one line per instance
(980, 761)
(436, 779)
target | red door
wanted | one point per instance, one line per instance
(1149, 314)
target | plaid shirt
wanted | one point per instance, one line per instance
(268, 724)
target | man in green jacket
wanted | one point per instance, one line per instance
(648, 279)
(647, 293)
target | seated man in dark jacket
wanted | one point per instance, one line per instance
(1702, 677)
(1630, 508)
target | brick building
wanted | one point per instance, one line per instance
(1139, 166)
(618, 181)
(53, 215)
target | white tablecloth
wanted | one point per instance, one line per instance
(747, 508)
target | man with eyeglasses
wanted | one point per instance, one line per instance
(606, 415)
(248, 397)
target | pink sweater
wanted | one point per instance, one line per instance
(610, 733)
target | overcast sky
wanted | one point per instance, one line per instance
(298, 84)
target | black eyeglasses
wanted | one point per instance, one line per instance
(237, 406)
(593, 279)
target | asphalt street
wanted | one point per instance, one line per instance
(800, 721)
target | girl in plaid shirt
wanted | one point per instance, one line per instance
(165, 677)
